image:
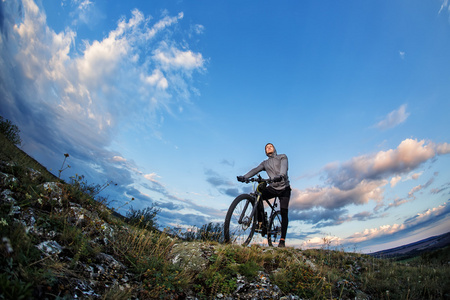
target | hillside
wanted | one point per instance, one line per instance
(59, 241)
(424, 246)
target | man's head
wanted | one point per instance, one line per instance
(270, 149)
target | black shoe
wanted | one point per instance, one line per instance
(281, 244)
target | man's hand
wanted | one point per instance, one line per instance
(241, 178)
(277, 178)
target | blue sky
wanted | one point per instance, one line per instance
(172, 100)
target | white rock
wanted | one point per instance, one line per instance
(50, 247)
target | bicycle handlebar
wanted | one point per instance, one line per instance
(258, 179)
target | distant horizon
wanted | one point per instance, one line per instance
(413, 243)
(172, 100)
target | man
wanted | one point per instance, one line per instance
(276, 167)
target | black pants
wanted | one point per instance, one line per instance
(284, 196)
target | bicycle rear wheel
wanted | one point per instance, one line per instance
(239, 224)
(274, 232)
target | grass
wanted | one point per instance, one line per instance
(146, 268)
(384, 278)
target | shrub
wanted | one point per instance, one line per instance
(10, 131)
(79, 182)
(144, 218)
(211, 232)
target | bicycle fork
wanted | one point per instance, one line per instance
(247, 220)
(252, 214)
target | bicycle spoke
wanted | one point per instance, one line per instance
(274, 233)
(239, 231)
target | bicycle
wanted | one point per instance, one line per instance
(241, 220)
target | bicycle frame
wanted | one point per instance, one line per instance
(255, 208)
(258, 195)
(245, 209)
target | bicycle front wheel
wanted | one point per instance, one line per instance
(239, 224)
(274, 233)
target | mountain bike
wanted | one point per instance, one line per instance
(241, 221)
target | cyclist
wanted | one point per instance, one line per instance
(276, 167)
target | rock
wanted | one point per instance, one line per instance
(259, 288)
(15, 210)
(192, 256)
(7, 179)
(28, 217)
(33, 174)
(79, 216)
(50, 248)
(110, 262)
(107, 232)
(6, 196)
(54, 187)
(7, 245)
(54, 190)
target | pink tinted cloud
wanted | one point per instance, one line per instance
(386, 230)
(363, 178)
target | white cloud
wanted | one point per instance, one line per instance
(362, 179)
(117, 158)
(416, 176)
(397, 202)
(402, 54)
(157, 79)
(369, 234)
(152, 177)
(84, 4)
(414, 190)
(91, 87)
(173, 58)
(395, 180)
(387, 231)
(334, 197)
(408, 155)
(41, 53)
(443, 6)
(428, 215)
(162, 24)
(419, 187)
(101, 60)
(443, 148)
(393, 119)
(75, 100)
(85, 12)
(322, 242)
(198, 29)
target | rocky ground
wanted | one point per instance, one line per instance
(72, 275)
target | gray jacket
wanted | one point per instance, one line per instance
(276, 164)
